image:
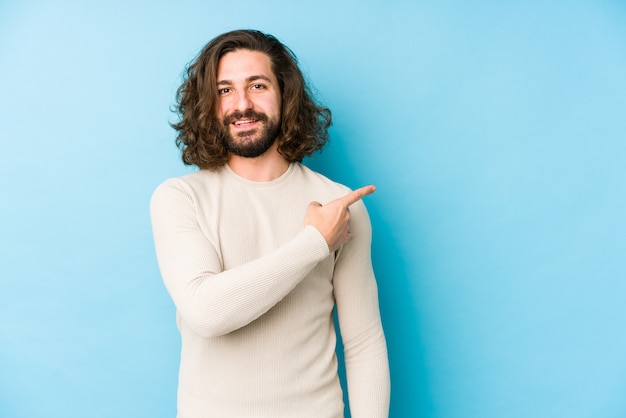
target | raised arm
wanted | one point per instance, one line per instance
(210, 299)
(215, 301)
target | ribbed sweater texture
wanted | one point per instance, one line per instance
(254, 291)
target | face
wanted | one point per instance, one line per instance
(249, 102)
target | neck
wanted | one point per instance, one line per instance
(264, 168)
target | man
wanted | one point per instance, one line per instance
(253, 262)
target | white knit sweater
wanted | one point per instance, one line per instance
(255, 290)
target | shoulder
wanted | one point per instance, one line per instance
(191, 181)
(325, 190)
(318, 180)
(186, 187)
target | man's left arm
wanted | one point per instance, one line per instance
(356, 295)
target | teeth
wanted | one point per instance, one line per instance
(242, 122)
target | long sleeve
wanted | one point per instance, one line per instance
(214, 301)
(255, 292)
(364, 343)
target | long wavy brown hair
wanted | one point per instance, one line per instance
(304, 123)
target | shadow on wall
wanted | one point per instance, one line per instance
(409, 377)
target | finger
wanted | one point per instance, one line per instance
(314, 203)
(357, 195)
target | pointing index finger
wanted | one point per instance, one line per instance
(357, 195)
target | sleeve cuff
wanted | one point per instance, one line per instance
(318, 242)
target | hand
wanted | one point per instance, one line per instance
(333, 218)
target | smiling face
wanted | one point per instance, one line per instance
(249, 102)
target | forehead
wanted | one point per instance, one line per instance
(242, 64)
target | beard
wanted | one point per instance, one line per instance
(254, 142)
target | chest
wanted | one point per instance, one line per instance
(247, 224)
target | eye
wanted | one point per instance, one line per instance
(258, 87)
(223, 91)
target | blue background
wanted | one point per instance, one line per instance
(495, 132)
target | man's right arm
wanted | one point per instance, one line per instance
(215, 301)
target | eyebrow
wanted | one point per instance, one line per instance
(248, 80)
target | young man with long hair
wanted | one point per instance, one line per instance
(257, 250)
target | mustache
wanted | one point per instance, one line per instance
(248, 114)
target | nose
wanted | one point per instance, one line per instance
(242, 101)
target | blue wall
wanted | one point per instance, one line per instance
(494, 131)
